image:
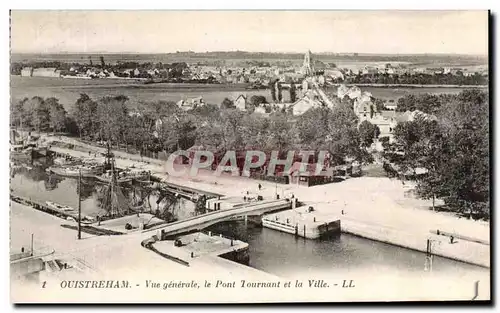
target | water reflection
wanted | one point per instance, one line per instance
(287, 256)
(32, 181)
(52, 181)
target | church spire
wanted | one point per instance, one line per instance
(308, 68)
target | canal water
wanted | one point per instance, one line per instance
(31, 181)
(287, 256)
(271, 251)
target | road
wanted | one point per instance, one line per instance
(202, 221)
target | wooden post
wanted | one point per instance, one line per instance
(428, 257)
(32, 245)
(79, 204)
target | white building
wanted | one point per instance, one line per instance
(27, 72)
(303, 105)
(241, 102)
(46, 72)
(391, 107)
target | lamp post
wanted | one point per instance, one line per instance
(79, 204)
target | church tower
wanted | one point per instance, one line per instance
(308, 67)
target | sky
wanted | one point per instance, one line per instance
(383, 32)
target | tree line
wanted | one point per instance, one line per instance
(418, 79)
(152, 127)
(451, 141)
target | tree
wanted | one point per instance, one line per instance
(228, 104)
(406, 103)
(211, 135)
(139, 131)
(206, 114)
(257, 100)
(312, 128)
(432, 147)
(280, 94)
(334, 131)
(466, 125)
(178, 131)
(372, 111)
(385, 142)
(70, 126)
(231, 127)
(85, 115)
(40, 112)
(407, 136)
(343, 140)
(57, 115)
(454, 149)
(281, 134)
(112, 116)
(426, 103)
(223, 131)
(367, 133)
(293, 92)
(379, 104)
(255, 131)
(18, 117)
(272, 87)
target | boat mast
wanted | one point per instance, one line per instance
(79, 204)
(21, 126)
(112, 188)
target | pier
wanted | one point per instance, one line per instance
(303, 222)
(67, 215)
(188, 247)
(73, 214)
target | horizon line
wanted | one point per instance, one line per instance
(258, 52)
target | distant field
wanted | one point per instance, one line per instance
(342, 60)
(68, 90)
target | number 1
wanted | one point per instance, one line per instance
(476, 290)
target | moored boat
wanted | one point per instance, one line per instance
(21, 152)
(74, 171)
(40, 151)
(106, 178)
(138, 175)
(62, 161)
(59, 207)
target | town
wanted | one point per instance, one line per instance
(259, 74)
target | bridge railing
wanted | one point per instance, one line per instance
(222, 214)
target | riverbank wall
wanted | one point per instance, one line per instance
(460, 250)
